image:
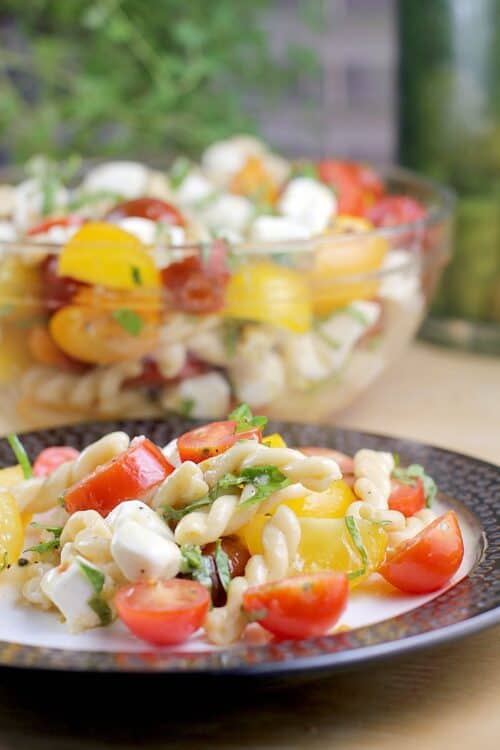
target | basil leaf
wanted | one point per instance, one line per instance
(411, 474)
(222, 565)
(129, 320)
(102, 609)
(87, 199)
(245, 420)
(357, 315)
(175, 514)
(352, 528)
(136, 275)
(44, 547)
(96, 577)
(266, 479)
(196, 565)
(186, 406)
(56, 530)
(179, 171)
(21, 455)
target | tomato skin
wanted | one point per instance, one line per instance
(426, 562)
(345, 462)
(127, 477)
(52, 458)
(48, 224)
(196, 287)
(57, 291)
(356, 185)
(406, 498)
(301, 607)
(238, 556)
(163, 612)
(153, 209)
(395, 210)
(211, 439)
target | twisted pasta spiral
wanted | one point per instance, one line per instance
(280, 540)
(373, 470)
(413, 526)
(184, 486)
(40, 494)
(89, 535)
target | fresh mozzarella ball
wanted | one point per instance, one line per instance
(209, 346)
(208, 396)
(135, 510)
(69, 589)
(194, 188)
(7, 232)
(231, 211)
(171, 453)
(143, 554)
(143, 229)
(28, 202)
(127, 178)
(259, 383)
(56, 235)
(308, 202)
(159, 186)
(225, 158)
(278, 229)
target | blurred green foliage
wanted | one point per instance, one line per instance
(147, 77)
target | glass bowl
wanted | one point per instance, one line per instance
(298, 329)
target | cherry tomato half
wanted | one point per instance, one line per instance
(163, 612)
(345, 462)
(196, 287)
(356, 185)
(301, 607)
(153, 209)
(426, 562)
(407, 498)
(212, 439)
(51, 459)
(128, 477)
(57, 291)
(395, 210)
(237, 556)
(48, 224)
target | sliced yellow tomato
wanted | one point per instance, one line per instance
(270, 293)
(145, 302)
(274, 441)
(348, 254)
(20, 288)
(9, 478)
(103, 336)
(104, 254)
(15, 354)
(11, 530)
(333, 503)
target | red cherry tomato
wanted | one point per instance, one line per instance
(153, 209)
(212, 439)
(163, 612)
(128, 477)
(196, 286)
(395, 210)
(48, 224)
(301, 607)
(356, 185)
(346, 463)
(51, 459)
(428, 561)
(57, 291)
(406, 498)
(237, 555)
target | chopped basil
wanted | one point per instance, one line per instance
(95, 576)
(411, 474)
(102, 609)
(245, 419)
(86, 199)
(136, 275)
(352, 528)
(186, 406)
(5, 561)
(332, 343)
(55, 530)
(21, 455)
(357, 315)
(44, 547)
(305, 169)
(196, 565)
(175, 514)
(396, 458)
(179, 171)
(231, 330)
(222, 566)
(129, 320)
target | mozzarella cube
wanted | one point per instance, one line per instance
(225, 158)
(28, 202)
(127, 178)
(171, 453)
(194, 188)
(308, 202)
(229, 211)
(143, 554)
(261, 382)
(279, 229)
(208, 396)
(135, 510)
(7, 231)
(69, 589)
(143, 229)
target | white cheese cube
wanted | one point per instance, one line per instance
(135, 510)
(28, 202)
(229, 211)
(308, 202)
(194, 188)
(279, 229)
(70, 590)
(143, 229)
(126, 178)
(225, 158)
(7, 231)
(208, 396)
(142, 554)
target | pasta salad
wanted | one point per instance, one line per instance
(222, 532)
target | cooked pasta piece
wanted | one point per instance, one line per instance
(184, 486)
(373, 471)
(413, 526)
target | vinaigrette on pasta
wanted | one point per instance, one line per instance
(221, 528)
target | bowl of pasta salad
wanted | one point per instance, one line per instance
(225, 539)
(127, 290)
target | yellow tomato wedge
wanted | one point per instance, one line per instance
(348, 254)
(269, 293)
(333, 503)
(102, 336)
(274, 441)
(15, 354)
(11, 530)
(104, 254)
(9, 478)
(19, 289)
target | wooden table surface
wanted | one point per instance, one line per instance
(445, 698)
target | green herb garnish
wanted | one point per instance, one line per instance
(332, 343)
(102, 609)
(55, 530)
(44, 547)
(175, 514)
(186, 406)
(196, 565)
(95, 576)
(5, 562)
(136, 275)
(352, 528)
(411, 474)
(245, 420)
(357, 315)
(231, 330)
(222, 566)
(21, 455)
(179, 171)
(129, 320)
(87, 199)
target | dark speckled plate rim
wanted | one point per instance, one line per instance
(468, 607)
